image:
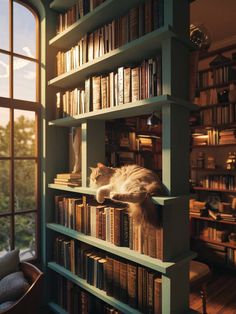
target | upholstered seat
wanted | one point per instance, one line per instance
(29, 303)
(199, 275)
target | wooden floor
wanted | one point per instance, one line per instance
(221, 295)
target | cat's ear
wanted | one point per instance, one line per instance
(101, 166)
(91, 168)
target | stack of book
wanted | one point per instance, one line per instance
(228, 136)
(68, 179)
(122, 280)
(196, 207)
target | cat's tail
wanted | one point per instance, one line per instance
(145, 212)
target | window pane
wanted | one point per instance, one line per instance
(24, 79)
(25, 235)
(4, 235)
(24, 27)
(24, 179)
(4, 24)
(4, 132)
(24, 133)
(4, 186)
(4, 75)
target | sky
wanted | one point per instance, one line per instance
(24, 43)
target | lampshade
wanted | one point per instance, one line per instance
(153, 119)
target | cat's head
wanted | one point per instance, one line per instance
(100, 175)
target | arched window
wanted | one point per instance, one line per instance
(19, 128)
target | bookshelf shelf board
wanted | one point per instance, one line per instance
(211, 219)
(220, 104)
(124, 252)
(62, 5)
(225, 244)
(56, 308)
(82, 190)
(199, 188)
(124, 308)
(102, 14)
(129, 54)
(141, 107)
(159, 200)
(214, 125)
(211, 146)
(217, 170)
(215, 86)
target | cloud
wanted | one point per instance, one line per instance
(29, 75)
(6, 67)
(18, 65)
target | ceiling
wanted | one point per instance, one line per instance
(218, 17)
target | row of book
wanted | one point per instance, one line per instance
(132, 141)
(112, 224)
(77, 11)
(125, 281)
(218, 115)
(207, 97)
(75, 300)
(140, 20)
(144, 159)
(117, 88)
(214, 137)
(217, 76)
(223, 182)
(211, 230)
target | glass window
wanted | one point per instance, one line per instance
(19, 112)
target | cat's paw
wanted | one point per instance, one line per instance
(100, 198)
(114, 196)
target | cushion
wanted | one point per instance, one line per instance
(13, 286)
(9, 263)
(4, 306)
(198, 270)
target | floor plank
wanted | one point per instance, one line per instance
(221, 295)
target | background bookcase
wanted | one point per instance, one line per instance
(171, 40)
(215, 116)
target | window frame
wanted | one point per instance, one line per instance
(31, 106)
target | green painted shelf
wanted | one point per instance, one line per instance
(141, 107)
(57, 308)
(124, 252)
(159, 200)
(110, 9)
(131, 53)
(93, 290)
(62, 5)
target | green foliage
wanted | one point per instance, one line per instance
(24, 181)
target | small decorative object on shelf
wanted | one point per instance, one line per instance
(210, 162)
(230, 162)
(200, 160)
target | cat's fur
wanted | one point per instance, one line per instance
(130, 184)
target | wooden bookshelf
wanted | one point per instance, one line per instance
(102, 14)
(216, 86)
(131, 53)
(169, 40)
(213, 146)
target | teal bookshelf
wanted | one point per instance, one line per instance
(171, 41)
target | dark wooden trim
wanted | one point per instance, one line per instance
(216, 51)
